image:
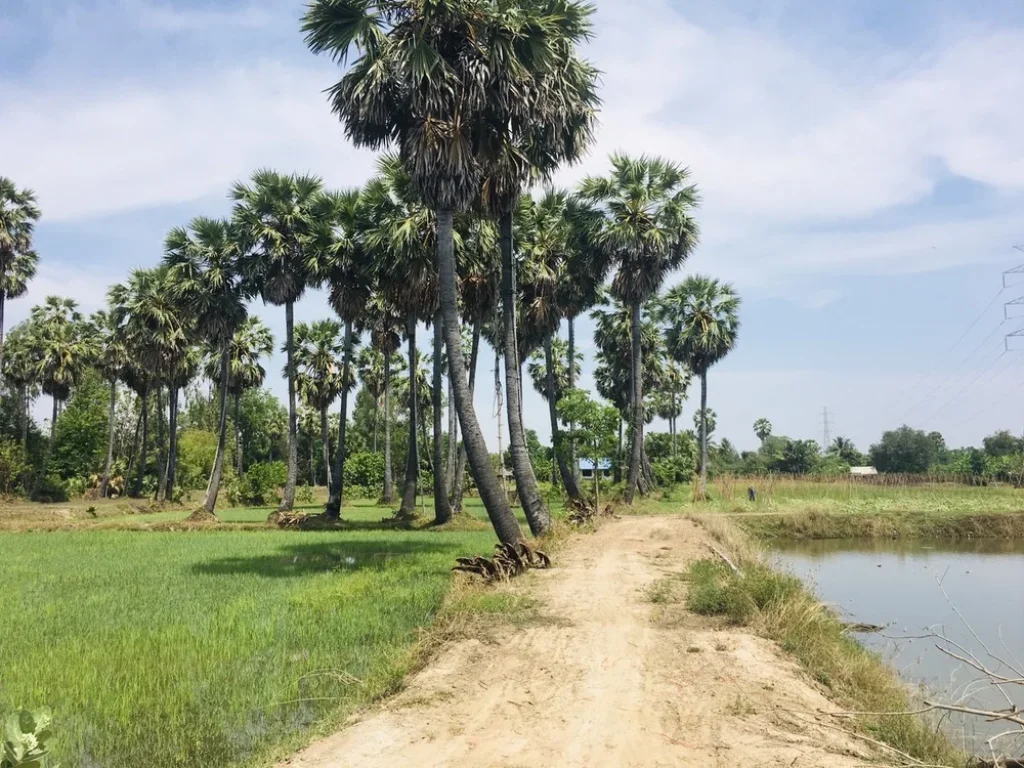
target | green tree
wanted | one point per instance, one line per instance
(81, 436)
(444, 83)
(762, 429)
(111, 361)
(903, 450)
(277, 220)
(21, 374)
(63, 350)
(205, 270)
(18, 215)
(1002, 443)
(650, 231)
(594, 427)
(799, 457)
(846, 451)
(700, 315)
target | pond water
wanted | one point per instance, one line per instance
(896, 584)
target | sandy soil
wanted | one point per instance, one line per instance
(606, 680)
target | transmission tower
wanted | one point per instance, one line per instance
(826, 430)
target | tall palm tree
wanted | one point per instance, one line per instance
(155, 329)
(384, 322)
(318, 346)
(649, 231)
(674, 383)
(252, 342)
(337, 258)
(613, 337)
(700, 315)
(111, 361)
(64, 350)
(423, 79)
(763, 429)
(18, 215)
(277, 220)
(183, 371)
(401, 236)
(21, 373)
(205, 263)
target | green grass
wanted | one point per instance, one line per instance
(843, 509)
(213, 648)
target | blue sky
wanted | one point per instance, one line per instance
(861, 163)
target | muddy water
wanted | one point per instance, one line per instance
(896, 584)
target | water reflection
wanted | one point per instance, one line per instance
(896, 584)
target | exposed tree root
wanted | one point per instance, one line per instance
(509, 560)
(582, 511)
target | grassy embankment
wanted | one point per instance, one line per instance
(223, 646)
(779, 607)
(844, 508)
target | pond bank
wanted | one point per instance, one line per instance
(894, 525)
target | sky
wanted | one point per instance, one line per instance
(861, 164)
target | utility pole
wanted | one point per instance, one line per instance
(826, 434)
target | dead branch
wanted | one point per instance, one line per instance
(725, 559)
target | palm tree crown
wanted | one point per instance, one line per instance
(701, 321)
(318, 346)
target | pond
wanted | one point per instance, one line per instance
(897, 584)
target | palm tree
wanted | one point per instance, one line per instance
(277, 220)
(675, 381)
(64, 349)
(21, 373)
(205, 267)
(424, 77)
(700, 315)
(613, 373)
(384, 322)
(401, 235)
(650, 232)
(763, 429)
(319, 380)
(251, 343)
(111, 361)
(18, 215)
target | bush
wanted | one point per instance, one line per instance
(304, 494)
(197, 449)
(362, 492)
(364, 469)
(26, 739)
(13, 467)
(716, 590)
(671, 471)
(50, 490)
(259, 481)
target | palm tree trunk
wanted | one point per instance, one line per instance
(239, 464)
(172, 472)
(572, 488)
(3, 301)
(412, 463)
(442, 509)
(144, 451)
(53, 438)
(428, 453)
(337, 487)
(672, 423)
(638, 408)
(496, 503)
(453, 443)
(460, 463)
(703, 434)
(222, 433)
(389, 483)
(536, 511)
(162, 462)
(571, 333)
(312, 461)
(25, 418)
(110, 441)
(325, 441)
(288, 497)
(617, 473)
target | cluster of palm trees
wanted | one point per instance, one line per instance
(472, 103)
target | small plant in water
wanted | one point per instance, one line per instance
(27, 738)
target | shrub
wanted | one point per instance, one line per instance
(304, 494)
(13, 467)
(364, 469)
(26, 740)
(259, 481)
(50, 490)
(717, 590)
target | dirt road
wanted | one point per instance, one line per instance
(605, 680)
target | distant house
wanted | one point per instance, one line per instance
(863, 471)
(604, 466)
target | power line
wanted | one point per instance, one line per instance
(970, 384)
